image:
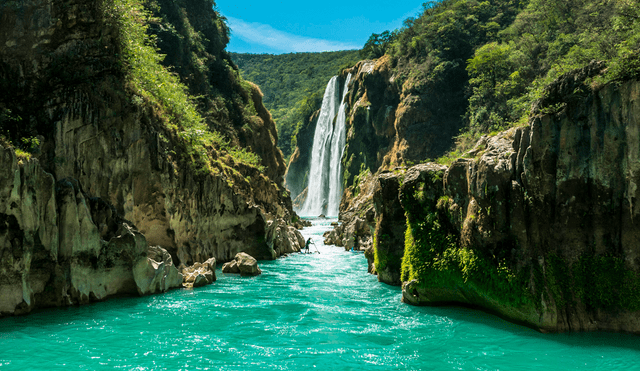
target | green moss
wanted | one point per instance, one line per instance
(359, 179)
(434, 258)
(382, 258)
(559, 281)
(598, 281)
(603, 281)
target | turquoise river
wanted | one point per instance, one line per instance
(317, 311)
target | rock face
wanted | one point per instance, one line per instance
(60, 247)
(102, 145)
(538, 224)
(357, 217)
(244, 264)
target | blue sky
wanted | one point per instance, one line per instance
(302, 26)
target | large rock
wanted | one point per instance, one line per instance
(244, 264)
(200, 274)
(231, 267)
(283, 238)
(156, 273)
(247, 265)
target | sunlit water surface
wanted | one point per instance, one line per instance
(319, 311)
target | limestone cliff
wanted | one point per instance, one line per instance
(61, 247)
(538, 224)
(393, 124)
(388, 124)
(68, 99)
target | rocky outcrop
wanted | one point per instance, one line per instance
(60, 247)
(244, 264)
(283, 239)
(200, 274)
(393, 122)
(537, 224)
(157, 273)
(389, 239)
(357, 218)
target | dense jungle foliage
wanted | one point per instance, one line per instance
(501, 54)
(293, 85)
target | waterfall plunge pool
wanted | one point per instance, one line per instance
(318, 311)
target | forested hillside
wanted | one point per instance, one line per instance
(495, 58)
(292, 85)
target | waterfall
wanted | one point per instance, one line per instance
(337, 149)
(324, 179)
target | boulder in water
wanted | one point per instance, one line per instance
(199, 274)
(156, 273)
(247, 264)
(230, 267)
(244, 264)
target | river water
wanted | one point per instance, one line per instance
(318, 311)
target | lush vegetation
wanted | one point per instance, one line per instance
(546, 40)
(501, 54)
(293, 85)
(149, 79)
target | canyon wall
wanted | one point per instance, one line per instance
(95, 142)
(538, 224)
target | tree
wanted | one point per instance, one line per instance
(378, 44)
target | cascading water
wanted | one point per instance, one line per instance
(325, 186)
(337, 149)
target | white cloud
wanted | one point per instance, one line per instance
(266, 35)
